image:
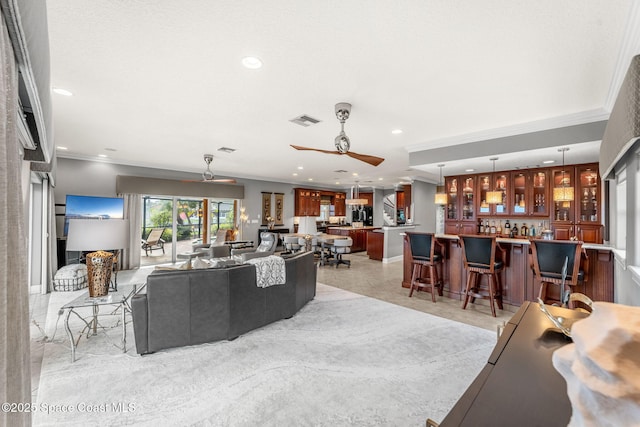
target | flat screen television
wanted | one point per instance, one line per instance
(92, 207)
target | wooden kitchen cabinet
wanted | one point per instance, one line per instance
(306, 202)
(530, 193)
(498, 181)
(340, 207)
(460, 210)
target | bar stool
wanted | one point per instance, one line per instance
(291, 243)
(482, 257)
(424, 254)
(557, 262)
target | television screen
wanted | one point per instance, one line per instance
(92, 207)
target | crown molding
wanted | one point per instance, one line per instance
(630, 48)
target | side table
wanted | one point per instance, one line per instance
(119, 299)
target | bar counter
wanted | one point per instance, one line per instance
(518, 283)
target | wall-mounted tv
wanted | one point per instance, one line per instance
(92, 207)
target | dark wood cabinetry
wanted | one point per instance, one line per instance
(339, 203)
(580, 217)
(358, 235)
(528, 196)
(460, 210)
(306, 202)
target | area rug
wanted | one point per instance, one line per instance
(343, 360)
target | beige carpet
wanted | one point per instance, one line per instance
(343, 360)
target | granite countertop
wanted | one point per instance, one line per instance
(348, 227)
(526, 242)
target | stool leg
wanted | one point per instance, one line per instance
(543, 291)
(468, 290)
(498, 291)
(433, 279)
(440, 280)
(414, 274)
(492, 293)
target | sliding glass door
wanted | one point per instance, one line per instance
(183, 222)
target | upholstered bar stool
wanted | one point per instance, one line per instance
(482, 256)
(338, 249)
(291, 243)
(557, 262)
(425, 253)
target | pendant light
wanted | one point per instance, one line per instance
(564, 193)
(441, 196)
(494, 197)
(355, 199)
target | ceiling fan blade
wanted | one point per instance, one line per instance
(372, 160)
(297, 147)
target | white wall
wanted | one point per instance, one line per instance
(425, 210)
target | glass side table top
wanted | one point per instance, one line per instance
(113, 297)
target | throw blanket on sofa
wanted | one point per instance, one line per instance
(270, 270)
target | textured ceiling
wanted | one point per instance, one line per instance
(158, 83)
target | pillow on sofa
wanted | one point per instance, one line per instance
(199, 263)
(185, 266)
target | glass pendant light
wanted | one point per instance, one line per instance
(494, 197)
(564, 193)
(441, 196)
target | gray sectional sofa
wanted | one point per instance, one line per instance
(188, 307)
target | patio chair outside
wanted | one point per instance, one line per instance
(153, 241)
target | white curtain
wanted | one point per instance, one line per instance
(133, 212)
(15, 357)
(52, 265)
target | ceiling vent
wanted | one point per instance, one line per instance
(226, 149)
(304, 120)
(341, 171)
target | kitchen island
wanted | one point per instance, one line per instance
(518, 283)
(357, 234)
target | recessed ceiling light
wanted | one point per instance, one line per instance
(251, 62)
(546, 162)
(300, 167)
(355, 174)
(337, 182)
(102, 155)
(396, 131)
(469, 170)
(61, 91)
(59, 147)
(295, 174)
(310, 179)
(380, 179)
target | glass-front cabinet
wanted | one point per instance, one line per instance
(530, 196)
(562, 184)
(467, 201)
(493, 182)
(451, 209)
(460, 211)
(588, 194)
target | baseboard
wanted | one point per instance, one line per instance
(392, 259)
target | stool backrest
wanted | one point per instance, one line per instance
(549, 257)
(478, 251)
(422, 245)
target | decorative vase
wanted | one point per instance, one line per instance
(99, 267)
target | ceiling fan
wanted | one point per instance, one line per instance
(342, 143)
(207, 175)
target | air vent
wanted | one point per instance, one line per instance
(226, 149)
(304, 120)
(341, 171)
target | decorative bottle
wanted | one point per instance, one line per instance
(524, 230)
(481, 227)
(514, 229)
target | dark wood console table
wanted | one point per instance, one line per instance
(519, 385)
